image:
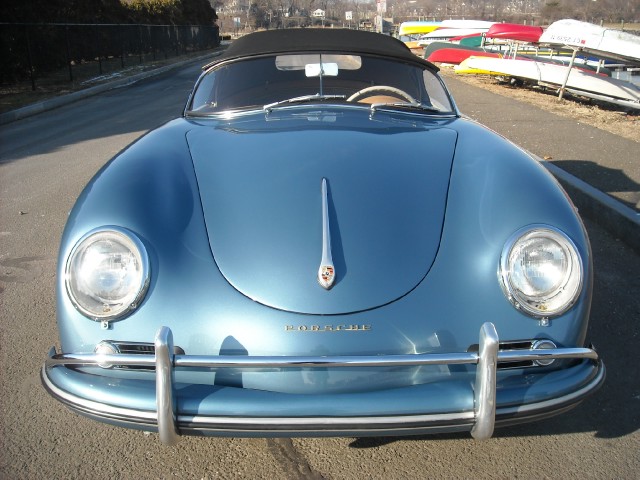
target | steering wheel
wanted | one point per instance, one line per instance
(365, 92)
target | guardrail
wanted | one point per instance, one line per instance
(32, 51)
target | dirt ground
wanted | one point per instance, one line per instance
(597, 114)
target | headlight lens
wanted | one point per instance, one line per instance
(541, 271)
(107, 273)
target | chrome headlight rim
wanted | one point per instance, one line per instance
(569, 290)
(139, 250)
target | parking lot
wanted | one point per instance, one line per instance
(45, 161)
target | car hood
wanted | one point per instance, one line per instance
(262, 202)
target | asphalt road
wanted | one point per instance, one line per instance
(44, 163)
(602, 159)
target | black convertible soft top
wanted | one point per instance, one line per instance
(338, 40)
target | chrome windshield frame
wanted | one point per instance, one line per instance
(189, 112)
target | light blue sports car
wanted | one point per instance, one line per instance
(322, 246)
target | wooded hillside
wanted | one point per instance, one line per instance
(157, 12)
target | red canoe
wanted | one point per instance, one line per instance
(471, 35)
(513, 31)
(457, 55)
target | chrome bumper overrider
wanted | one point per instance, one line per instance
(481, 421)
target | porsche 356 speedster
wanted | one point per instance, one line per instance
(322, 245)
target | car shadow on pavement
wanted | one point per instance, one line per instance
(615, 182)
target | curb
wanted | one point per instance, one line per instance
(615, 217)
(55, 102)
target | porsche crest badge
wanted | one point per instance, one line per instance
(326, 276)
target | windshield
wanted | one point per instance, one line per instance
(266, 81)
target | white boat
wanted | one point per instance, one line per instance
(578, 81)
(594, 39)
(604, 98)
(473, 24)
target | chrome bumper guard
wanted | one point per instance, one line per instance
(164, 361)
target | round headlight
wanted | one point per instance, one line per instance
(107, 273)
(541, 271)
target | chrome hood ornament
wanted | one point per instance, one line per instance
(326, 272)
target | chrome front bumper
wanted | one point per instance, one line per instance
(480, 421)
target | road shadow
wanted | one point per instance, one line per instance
(613, 181)
(138, 108)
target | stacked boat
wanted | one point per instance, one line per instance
(573, 57)
(455, 29)
(410, 32)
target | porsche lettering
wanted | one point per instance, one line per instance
(327, 328)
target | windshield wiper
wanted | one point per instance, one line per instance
(302, 99)
(406, 106)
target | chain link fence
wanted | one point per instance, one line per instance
(71, 52)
